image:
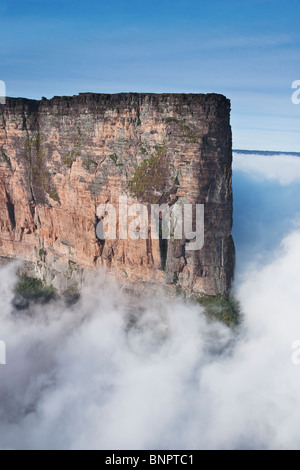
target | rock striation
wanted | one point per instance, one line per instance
(62, 158)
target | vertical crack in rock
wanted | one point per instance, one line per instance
(163, 247)
(11, 211)
(29, 156)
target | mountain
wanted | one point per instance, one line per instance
(61, 159)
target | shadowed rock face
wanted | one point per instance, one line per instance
(61, 158)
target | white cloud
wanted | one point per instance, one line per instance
(82, 379)
(282, 168)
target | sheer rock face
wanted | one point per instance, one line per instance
(61, 158)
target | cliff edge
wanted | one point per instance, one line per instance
(60, 159)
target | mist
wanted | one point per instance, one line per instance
(116, 372)
(266, 205)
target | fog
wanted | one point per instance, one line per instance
(284, 169)
(100, 376)
(266, 205)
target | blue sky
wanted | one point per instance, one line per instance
(247, 50)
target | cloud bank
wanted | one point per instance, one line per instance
(112, 372)
(284, 169)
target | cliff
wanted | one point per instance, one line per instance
(61, 158)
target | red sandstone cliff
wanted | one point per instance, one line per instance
(61, 158)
